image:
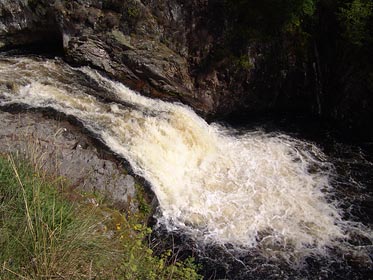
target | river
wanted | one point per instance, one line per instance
(257, 201)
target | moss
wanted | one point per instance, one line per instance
(121, 38)
(143, 202)
(244, 62)
(133, 11)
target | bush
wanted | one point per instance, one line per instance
(354, 17)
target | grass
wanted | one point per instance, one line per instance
(48, 233)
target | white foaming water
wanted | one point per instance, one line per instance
(248, 190)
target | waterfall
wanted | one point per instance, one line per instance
(219, 186)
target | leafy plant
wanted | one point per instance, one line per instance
(354, 16)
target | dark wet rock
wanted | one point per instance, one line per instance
(26, 22)
(61, 148)
(155, 47)
(180, 51)
(170, 49)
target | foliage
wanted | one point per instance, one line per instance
(133, 11)
(139, 262)
(143, 205)
(252, 20)
(270, 16)
(309, 7)
(354, 16)
(47, 233)
(243, 62)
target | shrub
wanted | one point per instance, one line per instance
(354, 17)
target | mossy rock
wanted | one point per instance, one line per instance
(122, 39)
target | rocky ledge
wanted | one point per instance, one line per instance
(61, 148)
(194, 52)
(164, 49)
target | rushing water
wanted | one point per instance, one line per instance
(221, 187)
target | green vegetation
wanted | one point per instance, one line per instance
(346, 26)
(133, 11)
(354, 17)
(253, 20)
(261, 19)
(243, 62)
(47, 233)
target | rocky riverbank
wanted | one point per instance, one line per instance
(61, 148)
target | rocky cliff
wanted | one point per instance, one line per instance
(167, 49)
(183, 51)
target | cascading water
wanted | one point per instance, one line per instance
(248, 190)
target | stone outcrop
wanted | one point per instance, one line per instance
(177, 50)
(25, 22)
(60, 148)
(155, 47)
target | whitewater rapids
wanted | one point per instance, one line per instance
(249, 190)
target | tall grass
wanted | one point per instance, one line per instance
(43, 235)
(46, 233)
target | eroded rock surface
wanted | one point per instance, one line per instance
(163, 49)
(25, 22)
(59, 147)
(183, 51)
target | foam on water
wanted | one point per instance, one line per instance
(248, 190)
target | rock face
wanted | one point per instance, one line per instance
(144, 44)
(175, 50)
(25, 22)
(160, 48)
(62, 149)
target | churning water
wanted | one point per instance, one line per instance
(247, 190)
